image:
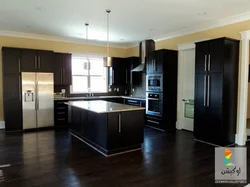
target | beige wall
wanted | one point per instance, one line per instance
(51, 45)
(231, 31)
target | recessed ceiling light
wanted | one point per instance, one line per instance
(122, 39)
(40, 8)
(202, 13)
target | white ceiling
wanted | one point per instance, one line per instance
(130, 20)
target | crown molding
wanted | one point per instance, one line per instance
(219, 23)
(60, 39)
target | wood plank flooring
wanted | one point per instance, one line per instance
(54, 158)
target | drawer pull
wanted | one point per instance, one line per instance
(61, 119)
(61, 108)
(61, 112)
(155, 122)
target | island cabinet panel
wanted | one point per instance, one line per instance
(101, 130)
(114, 135)
(132, 124)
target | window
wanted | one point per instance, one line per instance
(88, 76)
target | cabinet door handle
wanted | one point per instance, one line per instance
(153, 122)
(61, 76)
(205, 64)
(208, 91)
(209, 64)
(19, 65)
(19, 88)
(126, 76)
(35, 63)
(154, 65)
(205, 89)
(39, 62)
(113, 76)
(120, 129)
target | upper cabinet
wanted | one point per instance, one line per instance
(11, 60)
(209, 56)
(134, 78)
(62, 69)
(157, 59)
(36, 60)
(121, 71)
(118, 73)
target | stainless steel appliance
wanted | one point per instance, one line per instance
(37, 100)
(154, 104)
(154, 83)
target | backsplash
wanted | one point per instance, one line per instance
(140, 90)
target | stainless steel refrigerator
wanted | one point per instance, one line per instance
(37, 100)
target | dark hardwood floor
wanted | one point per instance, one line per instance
(54, 158)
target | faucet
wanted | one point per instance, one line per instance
(89, 93)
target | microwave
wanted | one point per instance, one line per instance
(154, 83)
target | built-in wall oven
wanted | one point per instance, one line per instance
(154, 83)
(154, 104)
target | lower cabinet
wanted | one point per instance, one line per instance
(60, 114)
(109, 132)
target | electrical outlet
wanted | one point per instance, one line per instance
(133, 90)
(114, 89)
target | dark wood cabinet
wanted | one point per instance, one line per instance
(132, 128)
(12, 102)
(45, 61)
(60, 113)
(158, 60)
(216, 85)
(36, 60)
(118, 72)
(12, 98)
(29, 60)
(62, 69)
(134, 78)
(109, 132)
(11, 60)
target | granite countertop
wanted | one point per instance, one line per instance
(103, 106)
(98, 97)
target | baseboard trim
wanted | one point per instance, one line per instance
(241, 138)
(2, 125)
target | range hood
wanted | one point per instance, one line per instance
(146, 47)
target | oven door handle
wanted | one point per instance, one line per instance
(153, 99)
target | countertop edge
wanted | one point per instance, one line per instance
(99, 97)
(105, 112)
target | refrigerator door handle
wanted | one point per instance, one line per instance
(37, 96)
(19, 88)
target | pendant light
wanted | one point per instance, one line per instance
(107, 59)
(87, 64)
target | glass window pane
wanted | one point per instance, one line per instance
(98, 84)
(80, 84)
(79, 66)
(96, 67)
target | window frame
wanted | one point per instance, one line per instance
(82, 56)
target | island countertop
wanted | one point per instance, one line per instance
(100, 106)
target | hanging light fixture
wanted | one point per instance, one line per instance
(107, 59)
(87, 64)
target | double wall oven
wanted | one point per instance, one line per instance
(154, 95)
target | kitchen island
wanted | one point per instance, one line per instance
(110, 128)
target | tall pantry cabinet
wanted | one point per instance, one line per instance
(216, 89)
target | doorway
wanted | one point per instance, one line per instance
(186, 72)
